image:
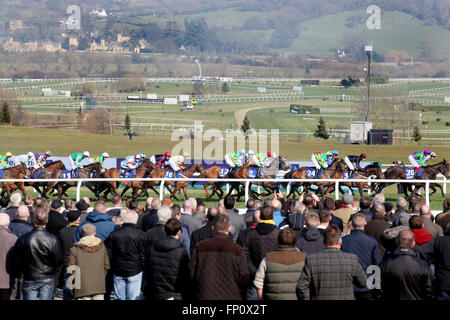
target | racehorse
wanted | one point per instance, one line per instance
(17, 172)
(142, 171)
(212, 173)
(52, 170)
(83, 173)
(300, 173)
(269, 172)
(429, 172)
(187, 173)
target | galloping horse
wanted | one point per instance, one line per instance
(17, 172)
(83, 173)
(212, 173)
(188, 173)
(430, 173)
(300, 173)
(142, 171)
(52, 170)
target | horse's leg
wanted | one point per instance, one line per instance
(185, 191)
(124, 190)
(22, 188)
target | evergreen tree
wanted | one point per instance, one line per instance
(127, 122)
(225, 88)
(321, 131)
(5, 116)
(417, 136)
(245, 124)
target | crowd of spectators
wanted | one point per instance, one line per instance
(277, 249)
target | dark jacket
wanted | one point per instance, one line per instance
(375, 228)
(12, 212)
(203, 233)
(153, 235)
(365, 247)
(102, 222)
(66, 236)
(405, 276)
(367, 213)
(126, 250)
(442, 262)
(37, 255)
(20, 227)
(145, 219)
(167, 269)
(114, 212)
(218, 269)
(56, 222)
(259, 241)
(337, 221)
(310, 241)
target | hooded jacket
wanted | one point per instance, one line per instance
(310, 241)
(259, 241)
(102, 222)
(421, 236)
(91, 256)
(167, 269)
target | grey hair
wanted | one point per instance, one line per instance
(401, 203)
(4, 219)
(164, 213)
(131, 217)
(16, 198)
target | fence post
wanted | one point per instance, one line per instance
(79, 189)
(445, 185)
(336, 190)
(161, 189)
(370, 184)
(246, 190)
(427, 193)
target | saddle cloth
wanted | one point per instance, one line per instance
(311, 173)
(410, 173)
(171, 174)
(123, 173)
(347, 175)
(252, 173)
(36, 174)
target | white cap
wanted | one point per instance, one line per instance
(30, 154)
(86, 153)
(250, 152)
(105, 155)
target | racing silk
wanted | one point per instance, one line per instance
(23, 158)
(77, 158)
(129, 163)
(178, 160)
(268, 161)
(261, 158)
(253, 159)
(243, 158)
(420, 157)
(160, 160)
(356, 160)
(324, 159)
(98, 159)
(40, 159)
(4, 162)
(235, 157)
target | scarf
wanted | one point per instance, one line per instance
(267, 221)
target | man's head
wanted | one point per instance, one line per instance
(148, 203)
(88, 230)
(425, 211)
(23, 213)
(40, 217)
(201, 207)
(359, 221)
(379, 210)
(167, 202)
(116, 200)
(256, 216)
(132, 204)
(324, 216)
(312, 220)
(29, 200)
(4, 220)
(229, 202)
(16, 199)
(156, 204)
(365, 203)
(276, 204)
(406, 239)
(164, 214)
(87, 200)
(266, 213)
(308, 201)
(57, 204)
(328, 204)
(287, 238)
(68, 204)
(188, 206)
(176, 211)
(194, 203)
(222, 224)
(332, 236)
(4, 201)
(416, 222)
(347, 198)
(73, 216)
(82, 205)
(379, 197)
(388, 206)
(131, 217)
(100, 206)
(173, 228)
(212, 213)
(250, 204)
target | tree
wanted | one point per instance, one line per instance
(321, 131)
(245, 124)
(225, 88)
(417, 136)
(127, 122)
(5, 116)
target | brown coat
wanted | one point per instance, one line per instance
(375, 228)
(443, 219)
(91, 256)
(7, 241)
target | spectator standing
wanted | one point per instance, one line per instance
(38, 256)
(311, 240)
(376, 226)
(218, 267)
(346, 211)
(91, 257)
(206, 231)
(366, 248)
(82, 206)
(7, 242)
(188, 219)
(443, 218)
(388, 206)
(442, 265)
(330, 274)
(278, 272)
(424, 241)
(248, 216)
(56, 221)
(329, 204)
(102, 222)
(4, 201)
(117, 206)
(167, 269)
(28, 201)
(404, 275)
(237, 221)
(365, 204)
(149, 218)
(127, 255)
(324, 219)
(20, 225)
(432, 228)
(157, 232)
(16, 200)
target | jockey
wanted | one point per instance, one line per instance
(5, 159)
(176, 162)
(161, 160)
(100, 158)
(353, 162)
(253, 159)
(419, 159)
(76, 158)
(322, 160)
(27, 159)
(41, 158)
(399, 163)
(233, 159)
(131, 162)
(270, 157)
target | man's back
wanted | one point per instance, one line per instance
(442, 262)
(310, 241)
(434, 229)
(344, 214)
(330, 275)
(102, 222)
(237, 224)
(191, 222)
(219, 269)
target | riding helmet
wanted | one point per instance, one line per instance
(105, 155)
(8, 154)
(86, 153)
(168, 154)
(363, 155)
(335, 152)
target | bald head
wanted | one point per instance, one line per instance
(148, 202)
(23, 213)
(4, 220)
(187, 206)
(406, 239)
(156, 204)
(131, 217)
(425, 211)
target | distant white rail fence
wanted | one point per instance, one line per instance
(162, 181)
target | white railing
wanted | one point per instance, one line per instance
(162, 181)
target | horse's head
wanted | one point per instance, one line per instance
(340, 165)
(284, 164)
(199, 168)
(445, 168)
(96, 166)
